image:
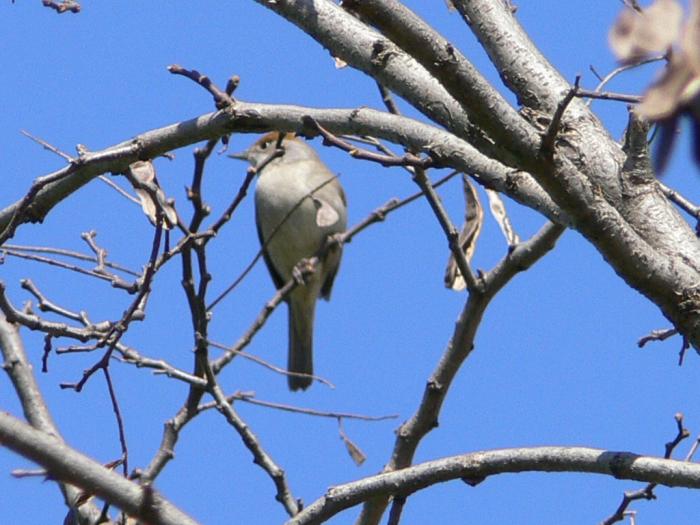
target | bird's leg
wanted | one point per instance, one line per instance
(303, 269)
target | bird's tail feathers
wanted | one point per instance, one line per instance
(301, 331)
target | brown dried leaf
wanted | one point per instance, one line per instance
(474, 219)
(663, 98)
(142, 175)
(680, 80)
(498, 210)
(339, 63)
(690, 43)
(355, 452)
(636, 35)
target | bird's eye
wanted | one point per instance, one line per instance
(264, 145)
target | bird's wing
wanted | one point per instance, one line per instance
(276, 277)
(331, 264)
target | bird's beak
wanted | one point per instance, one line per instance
(243, 155)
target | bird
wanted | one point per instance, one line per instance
(299, 204)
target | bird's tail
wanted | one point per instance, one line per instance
(301, 332)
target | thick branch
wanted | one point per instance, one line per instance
(67, 465)
(17, 366)
(485, 105)
(476, 466)
(458, 350)
(250, 118)
(537, 84)
(367, 51)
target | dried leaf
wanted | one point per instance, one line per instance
(675, 92)
(339, 63)
(690, 43)
(664, 97)
(142, 175)
(355, 452)
(636, 35)
(498, 210)
(474, 219)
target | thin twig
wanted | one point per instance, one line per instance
(119, 419)
(47, 146)
(683, 203)
(67, 253)
(46, 305)
(606, 95)
(222, 98)
(109, 182)
(269, 366)
(387, 99)
(64, 6)
(112, 337)
(550, 136)
(329, 139)
(657, 335)
(647, 492)
(266, 243)
(621, 69)
(114, 280)
(421, 179)
(248, 397)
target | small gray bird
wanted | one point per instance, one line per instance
(295, 181)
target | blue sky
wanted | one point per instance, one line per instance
(556, 360)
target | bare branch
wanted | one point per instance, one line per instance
(69, 254)
(252, 443)
(18, 368)
(458, 350)
(67, 465)
(479, 465)
(414, 135)
(248, 397)
(456, 74)
(647, 492)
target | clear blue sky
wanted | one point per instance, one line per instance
(556, 360)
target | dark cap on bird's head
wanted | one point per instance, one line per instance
(264, 151)
(263, 143)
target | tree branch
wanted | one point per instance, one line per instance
(17, 366)
(254, 118)
(485, 105)
(67, 465)
(458, 350)
(477, 466)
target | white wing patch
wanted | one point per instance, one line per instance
(325, 213)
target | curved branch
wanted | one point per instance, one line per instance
(377, 56)
(538, 84)
(485, 105)
(17, 366)
(523, 68)
(473, 468)
(253, 118)
(67, 465)
(458, 349)
(670, 282)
